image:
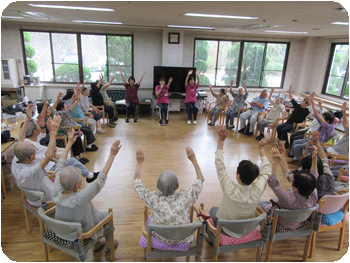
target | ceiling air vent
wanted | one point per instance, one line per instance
(253, 27)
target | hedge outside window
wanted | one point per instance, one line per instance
(337, 76)
(259, 64)
(72, 57)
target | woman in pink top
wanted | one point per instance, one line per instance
(191, 96)
(131, 99)
(162, 92)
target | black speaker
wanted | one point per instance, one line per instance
(145, 108)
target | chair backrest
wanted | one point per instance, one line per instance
(241, 226)
(66, 230)
(335, 137)
(297, 215)
(333, 203)
(178, 232)
(32, 195)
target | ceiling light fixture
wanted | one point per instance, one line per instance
(285, 32)
(14, 17)
(194, 27)
(221, 16)
(73, 7)
(97, 22)
(340, 23)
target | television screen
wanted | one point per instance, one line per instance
(177, 73)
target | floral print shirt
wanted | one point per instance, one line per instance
(170, 210)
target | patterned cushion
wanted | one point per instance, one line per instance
(34, 208)
(341, 162)
(51, 236)
(333, 219)
(157, 244)
(304, 225)
(228, 240)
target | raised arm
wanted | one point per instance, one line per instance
(345, 117)
(23, 130)
(198, 80)
(244, 85)
(187, 77)
(317, 115)
(59, 97)
(315, 141)
(290, 92)
(282, 151)
(74, 104)
(169, 82)
(222, 132)
(192, 157)
(112, 154)
(100, 82)
(262, 144)
(139, 83)
(276, 159)
(51, 148)
(106, 86)
(231, 85)
(212, 92)
(71, 140)
(121, 74)
(271, 92)
(140, 157)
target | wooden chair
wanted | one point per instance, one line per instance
(224, 109)
(29, 195)
(294, 216)
(240, 111)
(260, 115)
(102, 113)
(328, 205)
(272, 126)
(68, 236)
(325, 145)
(77, 132)
(343, 175)
(239, 227)
(172, 232)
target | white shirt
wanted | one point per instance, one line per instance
(275, 112)
(240, 201)
(33, 177)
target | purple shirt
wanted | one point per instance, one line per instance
(290, 200)
(326, 131)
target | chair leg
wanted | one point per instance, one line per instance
(112, 246)
(188, 259)
(215, 257)
(268, 251)
(313, 245)
(258, 254)
(27, 220)
(341, 237)
(307, 245)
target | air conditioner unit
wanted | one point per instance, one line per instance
(9, 73)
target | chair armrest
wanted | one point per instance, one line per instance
(84, 121)
(241, 110)
(68, 128)
(144, 219)
(107, 103)
(50, 174)
(62, 137)
(307, 134)
(99, 225)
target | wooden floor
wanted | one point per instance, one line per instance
(164, 148)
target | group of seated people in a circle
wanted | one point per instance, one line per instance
(168, 205)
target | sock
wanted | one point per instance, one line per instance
(295, 158)
(90, 175)
(89, 146)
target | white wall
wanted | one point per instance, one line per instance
(306, 66)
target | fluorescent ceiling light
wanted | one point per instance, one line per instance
(285, 32)
(73, 7)
(194, 27)
(221, 16)
(97, 22)
(340, 23)
(12, 17)
(36, 15)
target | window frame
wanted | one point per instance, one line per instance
(79, 50)
(239, 70)
(328, 73)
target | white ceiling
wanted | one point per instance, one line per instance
(313, 17)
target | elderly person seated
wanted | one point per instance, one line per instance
(169, 207)
(74, 204)
(215, 111)
(326, 130)
(237, 103)
(298, 115)
(30, 174)
(259, 104)
(239, 199)
(273, 114)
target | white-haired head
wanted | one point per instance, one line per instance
(167, 183)
(69, 177)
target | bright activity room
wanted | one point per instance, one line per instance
(48, 47)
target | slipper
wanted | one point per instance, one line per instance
(99, 244)
(107, 249)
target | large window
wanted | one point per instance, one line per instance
(259, 64)
(72, 57)
(337, 76)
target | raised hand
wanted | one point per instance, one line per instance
(290, 89)
(170, 80)
(140, 157)
(281, 148)
(314, 153)
(41, 120)
(344, 107)
(197, 72)
(263, 142)
(144, 73)
(276, 155)
(115, 148)
(222, 132)
(231, 83)
(190, 72)
(55, 124)
(59, 96)
(315, 136)
(190, 154)
(72, 137)
(29, 111)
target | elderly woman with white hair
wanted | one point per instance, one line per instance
(169, 207)
(273, 114)
(237, 103)
(73, 204)
(259, 104)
